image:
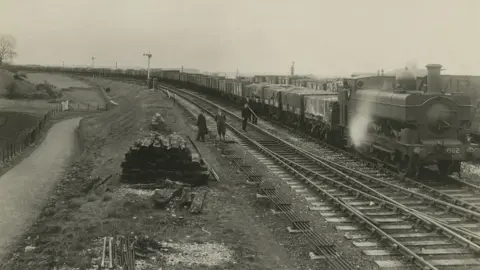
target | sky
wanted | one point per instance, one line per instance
(323, 37)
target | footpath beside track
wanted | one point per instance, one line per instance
(382, 215)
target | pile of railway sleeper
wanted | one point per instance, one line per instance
(158, 157)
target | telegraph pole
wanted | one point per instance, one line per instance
(93, 62)
(292, 69)
(149, 55)
(116, 65)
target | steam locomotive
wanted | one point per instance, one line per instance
(408, 127)
(390, 118)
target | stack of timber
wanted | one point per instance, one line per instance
(157, 157)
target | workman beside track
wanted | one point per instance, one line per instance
(246, 114)
(202, 127)
(221, 120)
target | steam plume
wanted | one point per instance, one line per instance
(358, 126)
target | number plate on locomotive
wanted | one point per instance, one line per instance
(453, 150)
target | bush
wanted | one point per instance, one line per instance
(11, 90)
(19, 76)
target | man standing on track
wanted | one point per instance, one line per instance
(221, 120)
(245, 115)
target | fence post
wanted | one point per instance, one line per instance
(88, 106)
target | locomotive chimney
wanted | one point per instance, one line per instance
(434, 81)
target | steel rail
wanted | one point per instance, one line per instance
(363, 219)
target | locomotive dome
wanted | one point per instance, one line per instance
(406, 80)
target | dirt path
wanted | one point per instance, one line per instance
(24, 188)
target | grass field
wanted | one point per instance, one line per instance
(58, 80)
(81, 98)
(18, 116)
(35, 107)
(81, 95)
(14, 126)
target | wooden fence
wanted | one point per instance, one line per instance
(11, 149)
(86, 107)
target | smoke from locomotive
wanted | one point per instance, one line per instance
(358, 126)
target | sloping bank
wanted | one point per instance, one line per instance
(63, 229)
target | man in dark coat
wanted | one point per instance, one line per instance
(245, 115)
(221, 120)
(202, 127)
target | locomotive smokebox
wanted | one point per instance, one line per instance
(434, 80)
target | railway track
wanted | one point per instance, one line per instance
(316, 241)
(377, 214)
(454, 191)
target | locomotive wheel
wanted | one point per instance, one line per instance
(402, 169)
(406, 168)
(443, 169)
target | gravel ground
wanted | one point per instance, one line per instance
(239, 234)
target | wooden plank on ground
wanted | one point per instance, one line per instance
(197, 202)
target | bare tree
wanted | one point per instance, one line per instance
(7, 48)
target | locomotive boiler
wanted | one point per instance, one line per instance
(406, 127)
